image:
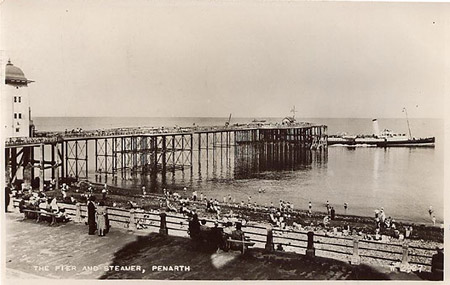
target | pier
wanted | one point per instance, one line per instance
(128, 152)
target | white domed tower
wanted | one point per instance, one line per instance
(16, 103)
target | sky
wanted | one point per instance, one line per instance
(212, 58)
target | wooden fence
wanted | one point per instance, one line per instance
(345, 248)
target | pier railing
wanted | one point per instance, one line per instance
(58, 136)
(340, 246)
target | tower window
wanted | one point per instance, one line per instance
(15, 115)
(17, 130)
(15, 99)
(20, 115)
(20, 99)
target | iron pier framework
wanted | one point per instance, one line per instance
(127, 154)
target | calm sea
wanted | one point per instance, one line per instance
(405, 181)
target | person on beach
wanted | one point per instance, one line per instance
(144, 192)
(201, 196)
(326, 221)
(101, 219)
(229, 198)
(345, 207)
(333, 213)
(387, 222)
(194, 195)
(328, 207)
(434, 220)
(64, 189)
(382, 215)
(104, 192)
(7, 197)
(91, 215)
(309, 208)
(393, 225)
(377, 222)
(431, 211)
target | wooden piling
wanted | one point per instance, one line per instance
(269, 241)
(310, 250)
(163, 225)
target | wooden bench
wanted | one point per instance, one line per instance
(243, 244)
(41, 213)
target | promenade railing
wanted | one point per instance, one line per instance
(347, 248)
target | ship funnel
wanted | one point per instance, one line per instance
(376, 129)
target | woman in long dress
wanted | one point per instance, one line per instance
(101, 219)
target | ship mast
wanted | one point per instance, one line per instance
(293, 111)
(407, 121)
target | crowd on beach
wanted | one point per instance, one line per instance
(283, 216)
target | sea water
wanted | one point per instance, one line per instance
(405, 181)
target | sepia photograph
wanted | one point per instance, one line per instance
(223, 140)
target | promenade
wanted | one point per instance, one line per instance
(65, 251)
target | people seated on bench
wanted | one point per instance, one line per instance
(54, 205)
(44, 205)
(203, 226)
(237, 238)
(238, 234)
(228, 228)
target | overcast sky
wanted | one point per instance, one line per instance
(212, 58)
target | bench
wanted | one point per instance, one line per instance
(40, 214)
(242, 244)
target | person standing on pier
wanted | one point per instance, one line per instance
(91, 215)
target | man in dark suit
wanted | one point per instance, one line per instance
(91, 215)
